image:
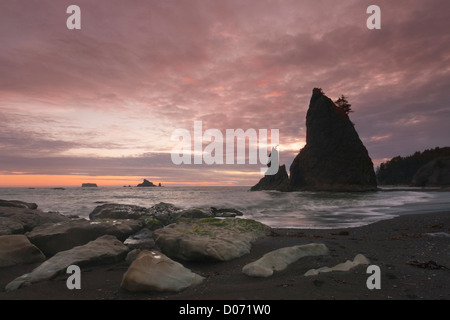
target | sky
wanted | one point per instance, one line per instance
(100, 104)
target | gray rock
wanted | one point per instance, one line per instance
(196, 213)
(153, 271)
(132, 255)
(167, 213)
(117, 211)
(226, 212)
(104, 250)
(53, 238)
(10, 226)
(346, 266)
(30, 218)
(143, 239)
(17, 204)
(279, 259)
(209, 239)
(17, 249)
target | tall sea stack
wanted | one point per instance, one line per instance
(334, 158)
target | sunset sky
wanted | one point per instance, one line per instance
(100, 104)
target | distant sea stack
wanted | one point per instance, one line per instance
(146, 183)
(334, 158)
(89, 185)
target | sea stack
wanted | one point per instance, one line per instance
(89, 185)
(146, 183)
(334, 158)
(278, 181)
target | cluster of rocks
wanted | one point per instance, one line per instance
(152, 240)
(149, 238)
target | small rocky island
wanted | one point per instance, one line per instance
(146, 183)
(89, 185)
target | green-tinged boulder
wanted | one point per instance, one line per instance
(209, 239)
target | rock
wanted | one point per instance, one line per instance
(226, 212)
(439, 234)
(346, 266)
(278, 260)
(89, 185)
(334, 158)
(278, 181)
(53, 238)
(153, 271)
(132, 255)
(17, 204)
(146, 183)
(143, 239)
(430, 264)
(210, 213)
(435, 173)
(117, 211)
(196, 213)
(104, 250)
(209, 239)
(167, 213)
(17, 249)
(10, 226)
(30, 218)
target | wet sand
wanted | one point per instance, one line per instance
(390, 244)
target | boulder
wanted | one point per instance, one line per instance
(209, 239)
(334, 158)
(196, 213)
(104, 250)
(279, 259)
(17, 249)
(278, 181)
(10, 226)
(117, 211)
(17, 204)
(211, 212)
(226, 212)
(153, 271)
(143, 239)
(53, 238)
(435, 173)
(346, 266)
(167, 213)
(30, 218)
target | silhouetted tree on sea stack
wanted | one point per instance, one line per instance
(342, 103)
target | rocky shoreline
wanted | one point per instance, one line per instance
(164, 252)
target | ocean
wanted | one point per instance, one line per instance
(312, 210)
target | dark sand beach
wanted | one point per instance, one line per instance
(394, 245)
